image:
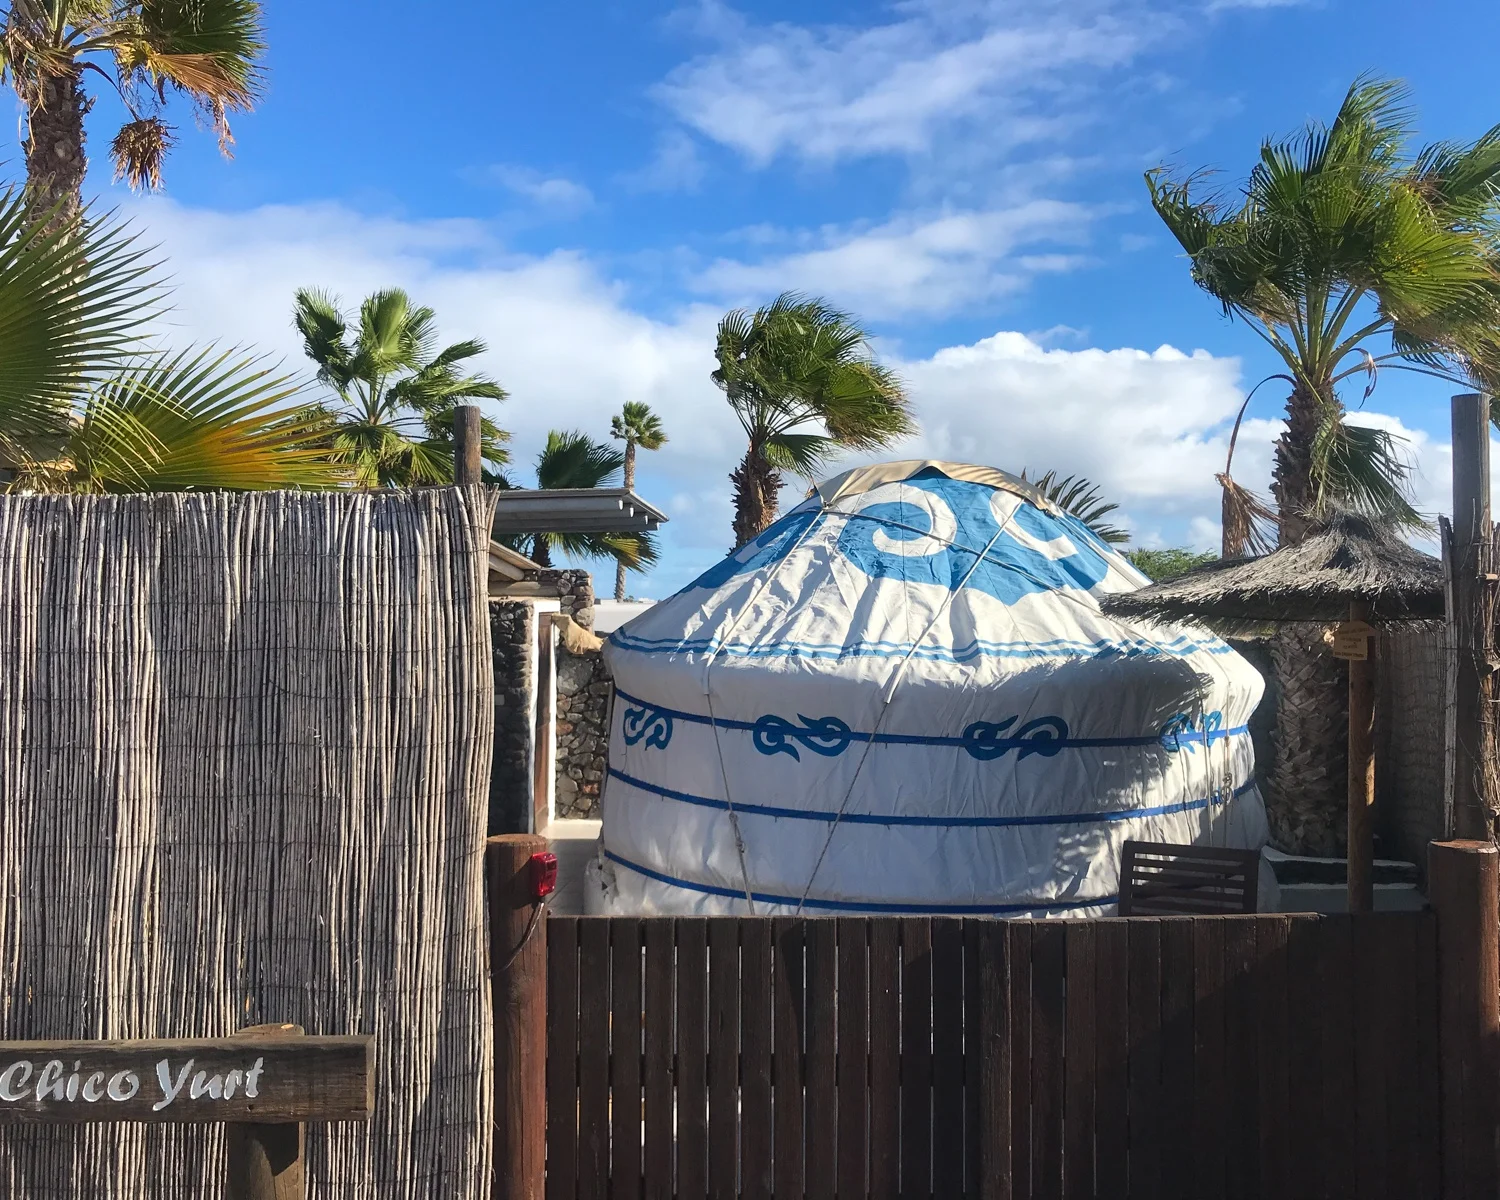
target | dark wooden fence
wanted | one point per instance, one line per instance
(1278, 1056)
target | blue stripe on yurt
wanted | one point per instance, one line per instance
(1179, 647)
(802, 814)
(917, 739)
(975, 910)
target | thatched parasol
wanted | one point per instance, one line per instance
(1349, 569)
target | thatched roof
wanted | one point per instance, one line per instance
(1348, 558)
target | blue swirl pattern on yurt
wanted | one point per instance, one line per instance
(1011, 568)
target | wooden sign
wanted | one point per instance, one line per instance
(1351, 640)
(264, 1080)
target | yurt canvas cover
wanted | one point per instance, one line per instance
(903, 698)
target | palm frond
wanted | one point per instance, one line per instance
(1081, 498)
(139, 150)
(215, 420)
(572, 459)
(1362, 468)
(74, 304)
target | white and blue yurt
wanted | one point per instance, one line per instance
(903, 698)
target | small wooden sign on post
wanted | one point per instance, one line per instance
(1351, 640)
(264, 1083)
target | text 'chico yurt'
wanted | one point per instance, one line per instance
(903, 698)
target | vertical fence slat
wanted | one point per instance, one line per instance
(723, 1057)
(1273, 1028)
(853, 1058)
(1079, 1064)
(1427, 1092)
(885, 1058)
(1373, 988)
(1305, 1001)
(916, 1058)
(1337, 1147)
(1398, 973)
(1208, 1067)
(821, 1038)
(1111, 1049)
(692, 1058)
(973, 1057)
(755, 1054)
(562, 1058)
(625, 1058)
(788, 1020)
(660, 938)
(1177, 1055)
(593, 1058)
(1145, 1056)
(995, 1175)
(947, 1057)
(1048, 963)
(1019, 961)
(1241, 1036)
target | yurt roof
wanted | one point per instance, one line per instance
(864, 479)
(1350, 557)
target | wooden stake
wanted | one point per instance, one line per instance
(1361, 849)
(265, 1161)
(1463, 883)
(1468, 634)
(518, 979)
(467, 458)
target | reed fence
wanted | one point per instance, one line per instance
(244, 754)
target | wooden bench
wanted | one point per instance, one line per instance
(1158, 879)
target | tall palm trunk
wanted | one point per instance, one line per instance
(1306, 784)
(629, 487)
(756, 494)
(55, 161)
(541, 550)
(1292, 476)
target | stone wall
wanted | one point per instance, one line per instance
(583, 688)
(511, 640)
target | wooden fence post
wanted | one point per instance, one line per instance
(1464, 886)
(265, 1161)
(1469, 638)
(467, 451)
(518, 981)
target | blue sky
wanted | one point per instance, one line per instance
(589, 186)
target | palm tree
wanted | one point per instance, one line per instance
(393, 425)
(635, 425)
(575, 460)
(87, 403)
(799, 376)
(1081, 498)
(207, 50)
(1343, 237)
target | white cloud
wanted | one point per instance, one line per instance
(826, 92)
(912, 264)
(551, 193)
(562, 338)
(675, 167)
(1149, 427)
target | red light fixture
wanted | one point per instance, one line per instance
(543, 875)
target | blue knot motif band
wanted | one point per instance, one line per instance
(827, 736)
(649, 723)
(1183, 733)
(988, 740)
